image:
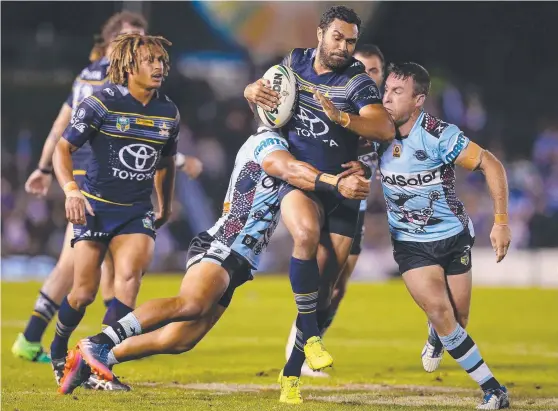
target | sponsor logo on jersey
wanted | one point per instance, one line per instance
(123, 123)
(396, 151)
(109, 92)
(419, 179)
(249, 241)
(140, 159)
(270, 141)
(87, 74)
(145, 122)
(457, 148)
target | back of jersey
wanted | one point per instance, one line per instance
(92, 79)
(251, 208)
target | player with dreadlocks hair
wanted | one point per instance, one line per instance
(117, 298)
(133, 131)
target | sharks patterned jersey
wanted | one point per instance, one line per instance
(312, 136)
(251, 208)
(418, 180)
(92, 79)
(127, 139)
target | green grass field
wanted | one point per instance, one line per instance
(376, 342)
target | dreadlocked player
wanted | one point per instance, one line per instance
(133, 131)
(117, 299)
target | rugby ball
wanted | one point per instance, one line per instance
(283, 81)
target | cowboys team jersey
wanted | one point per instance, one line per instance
(92, 79)
(418, 180)
(127, 141)
(251, 207)
(312, 136)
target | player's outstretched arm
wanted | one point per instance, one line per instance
(474, 157)
(164, 187)
(40, 180)
(76, 203)
(373, 122)
(285, 166)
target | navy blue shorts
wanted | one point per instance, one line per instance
(453, 254)
(356, 247)
(111, 220)
(341, 214)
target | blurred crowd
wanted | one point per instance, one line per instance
(213, 129)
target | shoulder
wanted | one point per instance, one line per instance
(95, 71)
(170, 108)
(435, 127)
(354, 68)
(300, 56)
(265, 139)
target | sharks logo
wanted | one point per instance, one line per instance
(418, 219)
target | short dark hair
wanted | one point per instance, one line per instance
(415, 71)
(368, 50)
(341, 13)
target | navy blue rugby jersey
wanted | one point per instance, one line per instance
(312, 136)
(92, 79)
(127, 141)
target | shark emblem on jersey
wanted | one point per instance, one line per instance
(417, 218)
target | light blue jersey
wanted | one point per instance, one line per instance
(371, 160)
(251, 209)
(418, 180)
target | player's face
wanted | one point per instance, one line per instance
(373, 66)
(337, 44)
(150, 69)
(400, 100)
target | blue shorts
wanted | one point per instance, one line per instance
(111, 220)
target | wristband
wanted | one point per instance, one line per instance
(344, 119)
(44, 170)
(70, 186)
(326, 182)
(501, 219)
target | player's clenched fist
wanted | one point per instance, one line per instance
(500, 237)
(76, 204)
(354, 187)
(260, 93)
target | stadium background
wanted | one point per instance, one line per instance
(493, 68)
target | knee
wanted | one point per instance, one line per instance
(439, 311)
(191, 309)
(81, 298)
(176, 345)
(306, 237)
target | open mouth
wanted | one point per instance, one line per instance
(157, 77)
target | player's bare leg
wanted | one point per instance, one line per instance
(202, 287)
(107, 280)
(55, 288)
(459, 288)
(428, 287)
(87, 272)
(173, 338)
(131, 256)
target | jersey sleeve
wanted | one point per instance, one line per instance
(86, 121)
(362, 91)
(171, 146)
(451, 143)
(287, 60)
(268, 143)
